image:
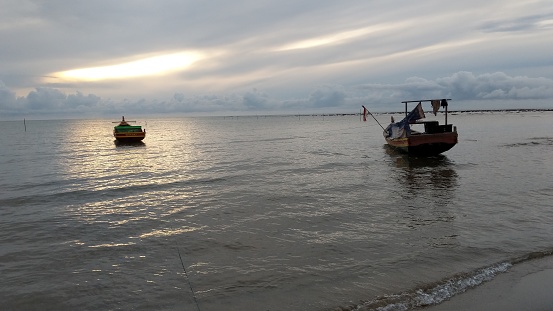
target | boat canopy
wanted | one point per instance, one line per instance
(402, 129)
(128, 128)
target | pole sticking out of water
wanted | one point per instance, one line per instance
(188, 280)
(25, 124)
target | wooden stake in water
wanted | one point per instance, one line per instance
(24, 124)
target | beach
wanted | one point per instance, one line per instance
(525, 286)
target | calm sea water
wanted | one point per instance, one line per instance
(266, 213)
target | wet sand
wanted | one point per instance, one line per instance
(525, 286)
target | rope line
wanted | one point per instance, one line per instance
(188, 279)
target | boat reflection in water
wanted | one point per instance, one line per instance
(119, 143)
(436, 172)
(426, 187)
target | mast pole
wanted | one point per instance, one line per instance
(445, 115)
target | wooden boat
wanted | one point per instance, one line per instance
(435, 138)
(126, 133)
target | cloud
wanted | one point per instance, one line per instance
(48, 102)
(5, 93)
(183, 56)
(256, 100)
(461, 86)
(7, 99)
(466, 85)
(327, 96)
(523, 23)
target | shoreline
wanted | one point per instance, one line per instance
(525, 286)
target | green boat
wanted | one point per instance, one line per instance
(126, 133)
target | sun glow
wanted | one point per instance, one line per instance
(156, 65)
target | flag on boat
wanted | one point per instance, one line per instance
(415, 114)
(364, 114)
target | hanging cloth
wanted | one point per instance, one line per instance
(435, 105)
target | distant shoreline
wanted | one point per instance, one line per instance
(500, 110)
(297, 115)
(449, 111)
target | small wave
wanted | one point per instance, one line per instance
(436, 293)
(240, 141)
(536, 141)
(167, 232)
(92, 194)
(111, 245)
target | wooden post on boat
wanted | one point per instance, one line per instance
(444, 103)
(445, 115)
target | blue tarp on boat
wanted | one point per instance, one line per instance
(402, 129)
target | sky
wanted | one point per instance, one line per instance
(61, 58)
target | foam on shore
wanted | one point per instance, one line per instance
(526, 286)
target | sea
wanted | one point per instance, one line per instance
(295, 212)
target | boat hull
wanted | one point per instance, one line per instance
(424, 144)
(130, 137)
